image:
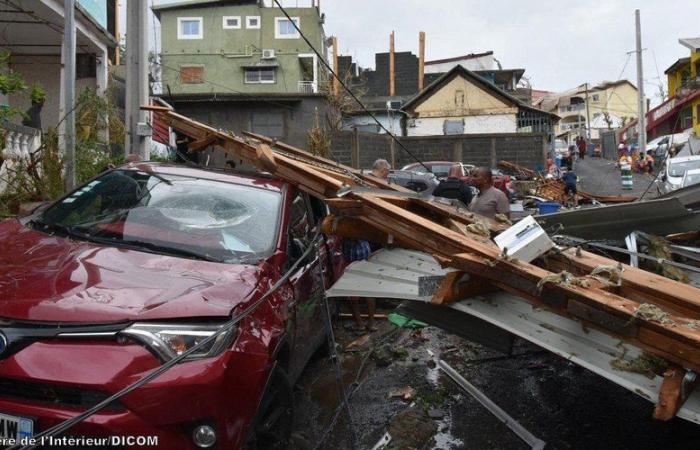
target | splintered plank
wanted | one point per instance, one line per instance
(641, 285)
(673, 394)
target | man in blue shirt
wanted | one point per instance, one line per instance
(569, 178)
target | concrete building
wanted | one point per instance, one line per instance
(682, 109)
(33, 33)
(610, 103)
(242, 66)
(374, 84)
(462, 102)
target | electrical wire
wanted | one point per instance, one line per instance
(347, 89)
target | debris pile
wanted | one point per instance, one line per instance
(368, 208)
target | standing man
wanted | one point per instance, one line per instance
(490, 201)
(581, 143)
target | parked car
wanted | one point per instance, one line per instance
(137, 266)
(442, 168)
(414, 180)
(674, 170)
(691, 177)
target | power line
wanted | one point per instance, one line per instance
(347, 89)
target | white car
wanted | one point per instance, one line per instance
(691, 177)
(675, 169)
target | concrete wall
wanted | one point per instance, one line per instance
(298, 117)
(496, 123)
(391, 122)
(45, 71)
(362, 149)
(225, 52)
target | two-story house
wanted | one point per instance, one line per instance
(682, 109)
(242, 65)
(591, 107)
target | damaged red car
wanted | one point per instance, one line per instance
(136, 267)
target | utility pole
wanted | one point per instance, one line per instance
(641, 103)
(392, 79)
(138, 131)
(588, 117)
(69, 92)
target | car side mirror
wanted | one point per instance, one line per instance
(663, 178)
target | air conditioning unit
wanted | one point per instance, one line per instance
(268, 53)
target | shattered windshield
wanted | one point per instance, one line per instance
(678, 169)
(169, 214)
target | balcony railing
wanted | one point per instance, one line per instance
(574, 107)
(19, 142)
(308, 87)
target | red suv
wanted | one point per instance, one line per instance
(137, 266)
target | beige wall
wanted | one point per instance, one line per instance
(460, 98)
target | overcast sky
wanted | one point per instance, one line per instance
(560, 43)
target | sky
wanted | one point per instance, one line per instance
(560, 43)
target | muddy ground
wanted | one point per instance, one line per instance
(559, 402)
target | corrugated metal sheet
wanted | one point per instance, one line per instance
(397, 273)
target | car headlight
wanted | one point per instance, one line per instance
(168, 340)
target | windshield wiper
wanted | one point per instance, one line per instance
(51, 227)
(150, 246)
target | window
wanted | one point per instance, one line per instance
(269, 124)
(453, 127)
(191, 74)
(261, 75)
(252, 22)
(232, 22)
(595, 97)
(189, 28)
(284, 29)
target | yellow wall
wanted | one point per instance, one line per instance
(460, 97)
(696, 117)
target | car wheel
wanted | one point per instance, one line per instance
(273, 425)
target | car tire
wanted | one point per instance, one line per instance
(272, 426)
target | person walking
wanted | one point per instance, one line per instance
(490, 201)
(581, 144)
(570, 190)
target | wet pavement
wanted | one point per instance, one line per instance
(566, 406)
(600, 176)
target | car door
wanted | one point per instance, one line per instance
(306, 282)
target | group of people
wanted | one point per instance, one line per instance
(489, 202)
(637, 160)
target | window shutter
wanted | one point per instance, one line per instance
(192, 74)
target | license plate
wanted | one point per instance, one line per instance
(15, 427)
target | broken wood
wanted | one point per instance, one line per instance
(440, 230)
(675, 390)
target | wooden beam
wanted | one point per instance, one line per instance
(201, 144)
(421, 60)
(336, 82)
(673, 394)
(264, 154)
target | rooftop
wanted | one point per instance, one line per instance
(691, 43)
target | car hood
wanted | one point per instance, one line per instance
(52, 278)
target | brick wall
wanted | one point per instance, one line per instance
(362, 149)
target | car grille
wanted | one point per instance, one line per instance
(53, 394)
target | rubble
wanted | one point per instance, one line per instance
(379, 211)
